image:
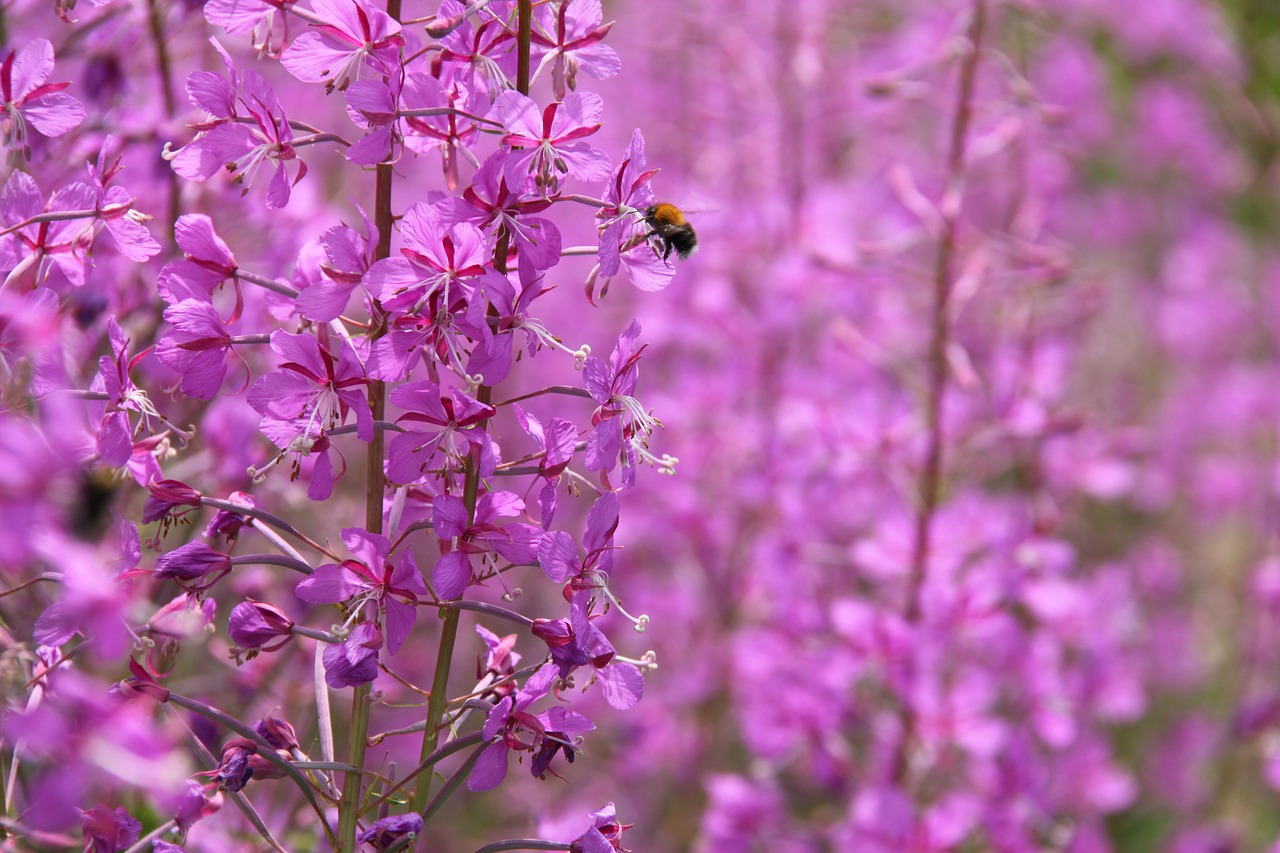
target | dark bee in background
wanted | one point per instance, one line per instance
(671, 229)
(91, 511)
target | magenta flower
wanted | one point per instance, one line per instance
(624, 236)
(30, 254)
(511, 728)
(195, 566)
(166, 501)
(372, 582)
(256, 16)
(25, 97)
(388, 830)
(480, 57)
(244, 151)
(94, 599)
(313, 389)
(114, 208)
(491, 204)
(412, 452)
(548, 143)
(577, 642)
(436, 257)
(108, 831)
(348, 254)
(517, 543)
(256, 627)
(227, 523)
(196, 347)
(621, 423)
(355, 38)
(354, 661)
(569, 34)
(605, 834)
(558, 552)
(451, 133)
(207, 261)
(557, 441)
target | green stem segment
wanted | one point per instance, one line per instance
(375, 486)
(471, 484)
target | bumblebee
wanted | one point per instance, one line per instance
(672, 230)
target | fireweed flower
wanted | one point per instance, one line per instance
(578, 642)
(517, 730)
(348, 254)
(258, 627)
(227, 523)
(195, 566)
(569, 36)
(243, 150)
(490, 204)
(621, 425)
(25, 97)
(388, 830)
(207, 261)
(33, 252)
(548, 143)
(558, 552)
(517, 543)
(498, 662)
(557, 440)
(481, 58)
(314, 389)
(257, 17)
(355, 38)
(436, 256)
(166, 501)
(605, 834)
(354, 661)
(411, 453)
(108, 831)
(113, 206)
(623, 239)
(195, 348)
(453, 134)
(384, 591)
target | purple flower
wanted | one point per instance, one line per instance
(605, 834)
(241, 762)
(412, 452)
(165, 502)
(388, 830)
(196, 803)
(313, 389)
(492, 204)
(621, 424)
(624, 237)
(558, 552)
(517, 543)
(30, 254)
(243, 151)
(25, 97)
(227, 523)
(451, 133)
(548, 143)
(195, 566)
(499, 661)
(196, 347)
(109, 831)
(356, 37)
(481, 57)
(558, 441)
(569, 35)
(512, 728)
(374, 581)
(207, 261)
(435, 257)
(348, 254)
(258, 627)
(354, 661)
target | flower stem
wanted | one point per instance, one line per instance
(375, 485)
(939, 344)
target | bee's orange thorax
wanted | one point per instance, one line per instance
(668, 214)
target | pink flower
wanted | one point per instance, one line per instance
(196, 347)
(412, 452)
(569, 34)
(207, 261)
(25, 97)
(548, 143)
(355, 38)
(374, 581)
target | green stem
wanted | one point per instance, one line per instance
(375, 485)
